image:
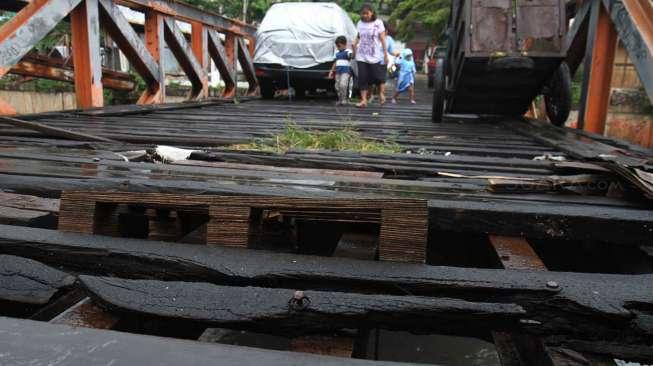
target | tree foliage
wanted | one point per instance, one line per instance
(234, 9)
(407, 15)
(430, 15)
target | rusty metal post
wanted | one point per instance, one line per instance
(231, 50)
(154, 41)
(199, 44)
(24, 30)
(599, 62)
(85, 29)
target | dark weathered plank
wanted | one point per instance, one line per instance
(25, 341)
(29, 202)
(274, 309)
(30, 282)
(23, 217)
(585, 305)
(53, 131)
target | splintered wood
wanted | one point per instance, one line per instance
(403, 222)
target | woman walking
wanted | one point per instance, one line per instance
(371, 54)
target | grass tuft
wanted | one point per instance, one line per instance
(296, 137)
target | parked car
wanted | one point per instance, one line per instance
(295, 48)
(439, 52)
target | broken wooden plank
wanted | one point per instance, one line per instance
(53, 131)
(29, 340)
(281, 310)
(86, 314)
(28, 202)
(27, 281)
(22, 217)
(578, 304)
(59, 305)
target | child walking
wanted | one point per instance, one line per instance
(341, 69)
(406, 79)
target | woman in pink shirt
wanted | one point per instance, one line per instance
(371, 55)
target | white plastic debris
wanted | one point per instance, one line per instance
(169, 154)
(550, 157)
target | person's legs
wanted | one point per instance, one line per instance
(411, 89)
(364, 77)
(337, 87)
(344, 86)
(380, 73)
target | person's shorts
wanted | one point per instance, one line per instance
(370, 74)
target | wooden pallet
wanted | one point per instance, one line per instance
(403, 222)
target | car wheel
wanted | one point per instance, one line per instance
(557, 96)
(438, 93)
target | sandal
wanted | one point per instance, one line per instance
(361, 105)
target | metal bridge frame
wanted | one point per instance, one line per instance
(38, 17)
(593, 37)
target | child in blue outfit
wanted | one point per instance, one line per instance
(341, 69)
(406, 79)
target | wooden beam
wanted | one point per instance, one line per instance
(247, 65)
(54, 71)
(132, 46)
(29, 202)
(199, 44)
(516, 253)
(184, 54)
(53, 131)
(155, 43)
(223, 62)
(579, 305)
(599, 63)
(30, 282)
(231, 51)
(291, 312)
(26, 340)
(86, 314)
(85, 30)
(339, 346)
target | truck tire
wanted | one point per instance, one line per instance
(557, 96)
(438, 92)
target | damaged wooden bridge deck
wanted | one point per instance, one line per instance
(534, 239)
